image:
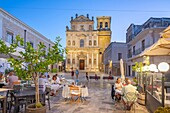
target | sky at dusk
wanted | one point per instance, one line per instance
(50, 17)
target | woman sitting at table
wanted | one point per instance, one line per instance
(118, 89)
(55, 79)
(55, 85)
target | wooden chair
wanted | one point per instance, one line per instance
(75, 91)
(16, 83)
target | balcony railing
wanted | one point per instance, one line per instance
(140, 50)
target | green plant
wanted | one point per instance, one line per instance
(162, 110)
(32, 62)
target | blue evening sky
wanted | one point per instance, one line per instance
(50, 17)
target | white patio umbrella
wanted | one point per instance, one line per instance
(122, 70)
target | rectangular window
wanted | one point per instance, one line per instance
(82, 27)
(143, 45)
(94, 62)
(129, 53)
(32, 44)
(95, 43)
(119, 56)
(133, 50)
(9, 38)
(89, 61)
(68, 61)
(73, 61)
(90, 43)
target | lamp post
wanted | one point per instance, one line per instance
(145, 69)
(163, 67)
(152, 69)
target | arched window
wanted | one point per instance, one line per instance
(106, 25)
(73, 61)
(95, 43)
(73, 43)
(101, 25)
(69, 43)
(94, 61)
(81, 43)
(90, 43)
(68, 61)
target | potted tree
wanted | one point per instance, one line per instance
(32, 62)
(138, 69)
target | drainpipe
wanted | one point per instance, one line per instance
(25, 32)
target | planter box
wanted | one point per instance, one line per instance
(31, 109)
(141, 99)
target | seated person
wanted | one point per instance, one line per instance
(55, 79)
(110, 76)
(118, 89)
(125, 90)
(12, 78)
(55, 85)
(95, 76)
(125, 82)
(42, 82)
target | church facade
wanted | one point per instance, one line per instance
(85, 45)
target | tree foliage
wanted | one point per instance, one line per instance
(29, 64)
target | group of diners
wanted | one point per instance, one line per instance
(9, 80)
(54, 84)
(121, 91)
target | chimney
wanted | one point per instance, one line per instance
(76, 15)
(87, 15)
(71, 18)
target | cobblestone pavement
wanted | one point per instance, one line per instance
(99, 100)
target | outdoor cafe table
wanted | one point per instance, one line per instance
(83, 90)
(4, 98)
(26, 94)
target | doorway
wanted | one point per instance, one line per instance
(81, 66)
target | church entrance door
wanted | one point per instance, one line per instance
(81, 66)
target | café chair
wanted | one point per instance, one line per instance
(75, 91)
(130, 99)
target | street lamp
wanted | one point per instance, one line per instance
(152, 69)
(163, 67)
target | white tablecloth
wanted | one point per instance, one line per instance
(54, 87)
(66, 92)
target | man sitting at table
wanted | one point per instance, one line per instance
(42, 82)
(12, 78)
(129, 94)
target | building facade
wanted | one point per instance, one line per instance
(140, 37)
(112, 55)
(10, 27)
(85, 45)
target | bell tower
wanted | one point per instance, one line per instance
(104, 31)
(104, 35)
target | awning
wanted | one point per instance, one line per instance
(161, 47)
